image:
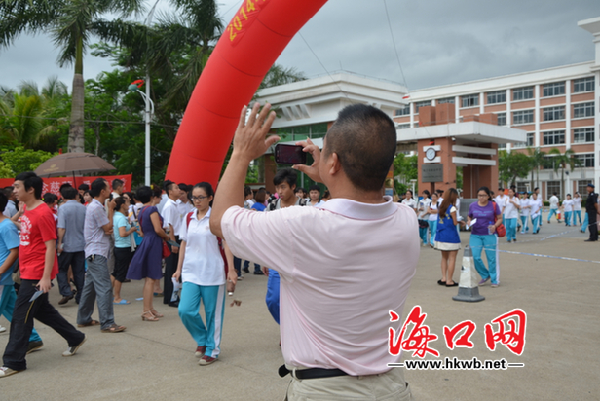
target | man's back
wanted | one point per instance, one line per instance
(357, 259)
(71, 217)
(97, 242)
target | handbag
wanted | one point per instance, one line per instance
(501, 230)
(166, 252)
(423, 223)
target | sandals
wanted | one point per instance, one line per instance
(149, 316)
(90, 323)
(114, 328)
(155, 313)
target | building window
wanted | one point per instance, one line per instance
(554, 137)
(585, 160)
(523, 93)
(584, 85)
(402, 126)
(581, 110)
(552, 187)
(502, 146)
(522, 186)
(554, 113)
(530, 138)
(470, 100)
(557, 88)
(527, 143)
(445, 100)
(402, 112)
(418, 105)
(582, 189)
(523, 117)
(496, 97)
(583, 135)
(302, 132)
(501, 119)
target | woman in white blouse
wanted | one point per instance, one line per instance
(202, 270)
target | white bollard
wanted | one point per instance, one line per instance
(468, 289)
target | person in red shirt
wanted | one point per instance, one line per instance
(38, 265)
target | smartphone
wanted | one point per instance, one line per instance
(289, 154)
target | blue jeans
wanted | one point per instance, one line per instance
(568, 216)
(576, 215)
(213, 298)
(524, 224)
(97, 288)
(8, 298)
(585, 223)
(423, 234)
(551, 213)
(511, 229)
(272, 298)
(535, 222)
(432, 230)
(479, 243)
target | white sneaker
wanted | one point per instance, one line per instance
(5, 372)
(2, 329)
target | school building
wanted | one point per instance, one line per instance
(556, 107)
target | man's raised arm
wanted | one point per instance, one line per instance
(250, 142)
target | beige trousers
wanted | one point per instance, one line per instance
(385, 386)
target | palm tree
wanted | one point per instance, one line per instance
(563, 160)
(71, 24)
(537, 160)
(29, 117)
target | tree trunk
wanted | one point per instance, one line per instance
(76, 130)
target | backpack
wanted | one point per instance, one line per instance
(188, 218)
(273, 204)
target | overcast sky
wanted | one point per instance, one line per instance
(438, 42)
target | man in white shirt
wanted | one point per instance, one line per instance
(536, 191)
(501, 200)
(172, 215)
(525, 212)
(11, 207)
(335, 294)
(553, 207)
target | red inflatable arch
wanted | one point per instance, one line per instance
(251, 43)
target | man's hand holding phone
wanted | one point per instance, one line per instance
(313, 170)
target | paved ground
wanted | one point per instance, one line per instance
(155, 360)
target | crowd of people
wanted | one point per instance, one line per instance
(439, 220)
(93, 239)
(105, 237)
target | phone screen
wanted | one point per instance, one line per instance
(289, 154)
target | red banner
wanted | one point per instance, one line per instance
(53, 184)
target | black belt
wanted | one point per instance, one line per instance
(312, 373)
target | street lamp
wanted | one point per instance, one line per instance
(135, 87)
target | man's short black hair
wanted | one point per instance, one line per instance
(8, 192)
(68, 193)
(84, 187)
(554, 193)
(31, 180)
(98, 186)
(144, 194)
(168, 185)
(288, 175)
(3, 201)
(364, 139)
(314, 187)
(49, 197)
(116, 183)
